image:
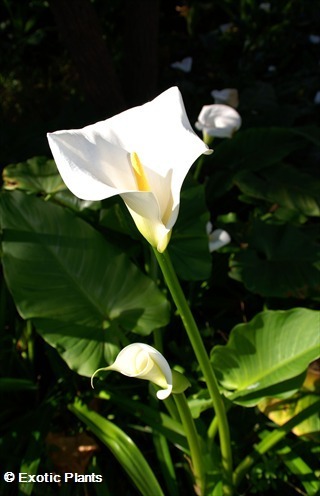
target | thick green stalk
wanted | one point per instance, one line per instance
(204, 363)
(193, 441)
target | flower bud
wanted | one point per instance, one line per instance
(141, 361)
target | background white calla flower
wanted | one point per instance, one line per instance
(314, 39)
(266, 6)
(218, 120)
(225, 28)
(217, 238)
(317, 98)
(227, 96)
(99, 160)
(184, 65)
(142, 361)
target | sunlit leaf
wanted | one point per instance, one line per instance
(37, 174)
(268, 356)
(280, 411)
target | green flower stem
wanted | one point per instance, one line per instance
(198, 168)
(204, 363)
(213, 427)
(172, 408)
(30, 341)
(193, 441)
(212, 431)
(271, 440)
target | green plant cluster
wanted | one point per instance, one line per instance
(78, 282)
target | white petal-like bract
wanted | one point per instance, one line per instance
(141, 361)
(218, 120)
(217, 239)
(142, 154)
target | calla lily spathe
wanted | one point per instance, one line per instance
(142, 154)
(217, 238)
(218, 120)
(184, 65)
(142, 361)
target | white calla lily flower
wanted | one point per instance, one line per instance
(142, 154)
(142, 361)
(218, 120)
(227, 96)
(266, 6)
(314, 39)
(227, 27)
(217, 238)
(184, 65)
(317, 98)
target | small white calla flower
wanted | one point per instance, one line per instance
(317, 98)
(266, 6)
(142, 154)
(227, 96)
(184, 65)
(314, 39)
(218, 120)
(142, 361)
(217, 238)
(225, 28)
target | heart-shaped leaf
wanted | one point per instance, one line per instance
(81, 293)
(285, 186)
(38, 174)
(279, 261)
(189, 246)
(268, 357)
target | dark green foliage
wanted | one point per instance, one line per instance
(78, 282)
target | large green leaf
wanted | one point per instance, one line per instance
(189, 245)
(285, 186)
(268, 356)
(278, 261)
(249, 150)
(122, 447)
(38, 174)
(256, 148)
(80, 292)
